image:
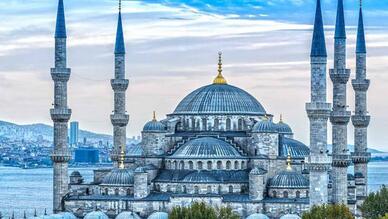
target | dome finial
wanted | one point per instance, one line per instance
(154, 116)
(281, 118)
(121, 158)
(220, 78)
(289, 168)
(120, 6)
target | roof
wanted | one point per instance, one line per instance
(293, 147)
(206, 147)
(154, 126)
(75, 173)
(257, 171)
(219, 99)
(60, 29)
(284, 128)
(119, 47)
(265, 126)
(203, 176)
(257, 216)
(135, 150)
(290, 216)
(289, 180)
(119, 177)
(96, 215)
(360, 47)
(318, 47)
(127, 215)
(158, 215)
(340, 32)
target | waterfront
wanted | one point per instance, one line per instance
(28, 189)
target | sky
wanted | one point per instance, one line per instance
(172, 48)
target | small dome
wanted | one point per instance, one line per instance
(257, 216)
(135, 150)
(284, 128)
(257, 171)
(67, 215)
(265, 126)
(289, 180)
(127, 215)
(75, 174)
(119, 177)
(293, 147)
(290, 216)
(56, 216)
(199, 177)
(158, 215)
(154, 126)
(206, 147)
(96, 215)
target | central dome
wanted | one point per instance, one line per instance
(219, 99)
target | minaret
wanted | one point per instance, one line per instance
(318, 111)
(119, 118)
(361, 118)
(60, 114)
(340, 116)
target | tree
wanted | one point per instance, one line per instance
(385, 217)
(328, 212)
(202, 211)
(375, 205)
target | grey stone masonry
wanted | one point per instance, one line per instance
(318, 111)
(60, 115)
(339, 119)
(119, 118)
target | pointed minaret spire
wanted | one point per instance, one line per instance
(340, 22)
(360, 48)
(120, 47)
(60, 30)
(318, 47)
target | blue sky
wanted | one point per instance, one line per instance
(172, 49)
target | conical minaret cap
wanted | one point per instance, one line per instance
(318, 47)
(340, 32)
(119, 47)
(60, 29)
(361, 46)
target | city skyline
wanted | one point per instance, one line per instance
(181, 29)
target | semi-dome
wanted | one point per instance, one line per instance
(289, 180)
(284, 128)
(290, 216)
(257, 216)
(96, 215)
(119, 177)
(206, 147)
(135, 150)
(199, 177)
(158, 215)
(265, 126)
(219, 99)
(127, 215)
(292, 147)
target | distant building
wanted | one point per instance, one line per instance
(74, 130)
(87, 155)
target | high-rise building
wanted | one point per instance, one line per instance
(74, 133)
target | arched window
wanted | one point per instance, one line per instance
(87, 191)
(181, 165)
(191, 165)
(168, 188)
(175, 164)
(184, 189)
(219, 165)
(285, 194)
(196, 190)
(193, 124)
(236, 165)
(240, 124)
(204, 124)
(178, 127)
(228, 124)
(242, 164)
(116, 191)
(209, 189)
(106, 191)
(197, 125)
(219, 190)
(297, 194)
(199, 165)
(228, 164)
(128, 191)
(230, 189)
(243, 189)
(307, 193)
(209, 165)
(158, 188)
(274, 194)
(216, 124)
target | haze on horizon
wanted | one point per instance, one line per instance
(172, 49)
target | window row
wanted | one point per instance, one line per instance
(205, 124)
(206, 165)
(209, 189)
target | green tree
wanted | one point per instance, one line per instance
(385, 217)
(328, 212)
(202, 211)
(375, 205)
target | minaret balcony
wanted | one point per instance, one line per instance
(318, 163)
(340, 117)
(340, 76)
(341, 160)
(360, 84)
(360, 121)
(119, 84)
(119, 119)
(361, 157)
(60, 115)
(318, 110)
(60, 74)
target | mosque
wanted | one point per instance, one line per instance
(220, 146)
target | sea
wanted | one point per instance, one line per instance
(27, 190)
